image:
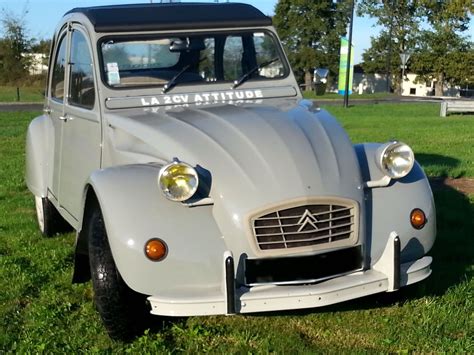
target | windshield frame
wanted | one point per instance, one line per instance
(210, 33)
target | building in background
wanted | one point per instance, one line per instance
(377, 83)
(38, 63)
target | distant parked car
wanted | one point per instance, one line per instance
(176, 142)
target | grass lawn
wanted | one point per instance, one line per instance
(311, 95)
(444, 146)
(27, 94)
(40, 311)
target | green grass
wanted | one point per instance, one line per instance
(40, 311)
(27, 94)
(311, 95)
(444, 146)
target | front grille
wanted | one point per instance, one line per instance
(316, 224)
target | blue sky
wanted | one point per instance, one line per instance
(43, 16)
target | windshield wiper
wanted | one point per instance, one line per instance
(170, 84)
(247, 75)
(173, 81)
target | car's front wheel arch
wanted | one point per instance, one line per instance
(124, 312)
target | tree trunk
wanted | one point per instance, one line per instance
(307, 80)
(400, 84)
(439, 85)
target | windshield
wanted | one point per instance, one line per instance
(203, 58)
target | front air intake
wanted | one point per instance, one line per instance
(326, 225)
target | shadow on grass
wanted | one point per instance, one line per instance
(443, 165)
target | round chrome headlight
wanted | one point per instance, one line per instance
(395, 159)
(178, 181)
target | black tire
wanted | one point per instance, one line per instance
(50, 222)
(124, 312)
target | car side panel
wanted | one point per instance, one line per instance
(135, 211)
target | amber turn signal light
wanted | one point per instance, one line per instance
(156, 249)
(417, 218)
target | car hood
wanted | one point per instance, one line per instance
(258, 155)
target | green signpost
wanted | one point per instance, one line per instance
(343, 66)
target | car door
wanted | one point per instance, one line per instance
(55, 109)
(81, 134)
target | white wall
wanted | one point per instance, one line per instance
(369, 83)
(411, 88)
(37, 60)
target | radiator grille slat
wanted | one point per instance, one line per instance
(268, 217)
(309, 239)
(296, 224)
(315, 224)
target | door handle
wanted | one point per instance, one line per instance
(66, 118)
(47, 110)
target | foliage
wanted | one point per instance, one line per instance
(16, 47)
(399, 18)
(400, 22)
(461, 68)
(375, 58)
(443, 53)
(43, 46)
(311, 31)
(13, 47)
(440, 51)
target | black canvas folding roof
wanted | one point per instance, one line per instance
(169, 16)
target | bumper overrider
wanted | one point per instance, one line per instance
(386, 275)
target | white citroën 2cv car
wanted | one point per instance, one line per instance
(177, 144)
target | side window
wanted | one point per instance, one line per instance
(81, 83)
(233, 52)
(59, 70)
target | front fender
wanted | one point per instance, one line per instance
(135, 211)
(388, 209)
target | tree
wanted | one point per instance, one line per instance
(15, 43)
(374, 59)
(400, 20)
(43, 46)
(310, 31)
(443, 52)
(461, 70)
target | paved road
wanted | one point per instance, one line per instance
(21, 107)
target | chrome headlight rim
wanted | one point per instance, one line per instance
(165, 169)
(383, 156)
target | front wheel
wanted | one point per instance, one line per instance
(123, 311)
